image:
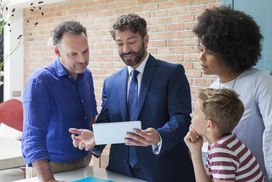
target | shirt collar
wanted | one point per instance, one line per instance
(141, 67)
(62, 71)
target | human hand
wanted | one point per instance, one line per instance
(194, 141)
(44, 171)
(84, 138)
(54, 180)
(143, 138)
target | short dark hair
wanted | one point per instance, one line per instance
(73, 27)
(223, 107)
(231, 34)
(131, 22)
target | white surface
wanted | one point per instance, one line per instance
(10, 153)
(14, 64)
(9, 132)
(114, 132)
(13, 174)
(89, 171)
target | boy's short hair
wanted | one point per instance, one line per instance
(221, 106)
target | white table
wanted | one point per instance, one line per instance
(10, 153)
(87, 172)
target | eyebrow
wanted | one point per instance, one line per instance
(86, 50)
(132, 37)
(72, 52)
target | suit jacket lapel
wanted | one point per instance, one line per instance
(149, 70)
(122, 83)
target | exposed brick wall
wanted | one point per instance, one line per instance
(169, 23)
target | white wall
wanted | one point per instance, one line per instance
(14, 63)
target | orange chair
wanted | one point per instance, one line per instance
(11, 113)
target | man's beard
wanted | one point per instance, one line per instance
(138, 57)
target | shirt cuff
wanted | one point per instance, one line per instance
(157, 148)
(96, 151)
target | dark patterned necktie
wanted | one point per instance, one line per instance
(132, 110)
(133, 96)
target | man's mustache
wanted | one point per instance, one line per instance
(127, 53)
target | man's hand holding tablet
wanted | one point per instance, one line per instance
(103, 133)
(113, 132)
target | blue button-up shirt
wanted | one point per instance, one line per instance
(54, 102)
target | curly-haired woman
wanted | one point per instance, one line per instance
(230, 45)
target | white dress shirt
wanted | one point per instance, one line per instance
(156, 148)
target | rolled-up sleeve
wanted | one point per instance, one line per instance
(36, 106)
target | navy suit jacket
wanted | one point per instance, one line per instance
(164, 104)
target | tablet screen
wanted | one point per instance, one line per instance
(113, 132)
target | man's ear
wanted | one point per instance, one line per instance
(146, 39)
(57, 51)
(210, 125)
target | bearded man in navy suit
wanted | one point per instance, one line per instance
(162, 103)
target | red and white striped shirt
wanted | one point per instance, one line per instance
(229, 159)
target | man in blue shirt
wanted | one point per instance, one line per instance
(56, 98)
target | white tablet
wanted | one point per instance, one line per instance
(114, 132)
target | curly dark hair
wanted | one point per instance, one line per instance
(231, 34)
(131, 22)
(73, 27)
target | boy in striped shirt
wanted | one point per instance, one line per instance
(216, 113)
